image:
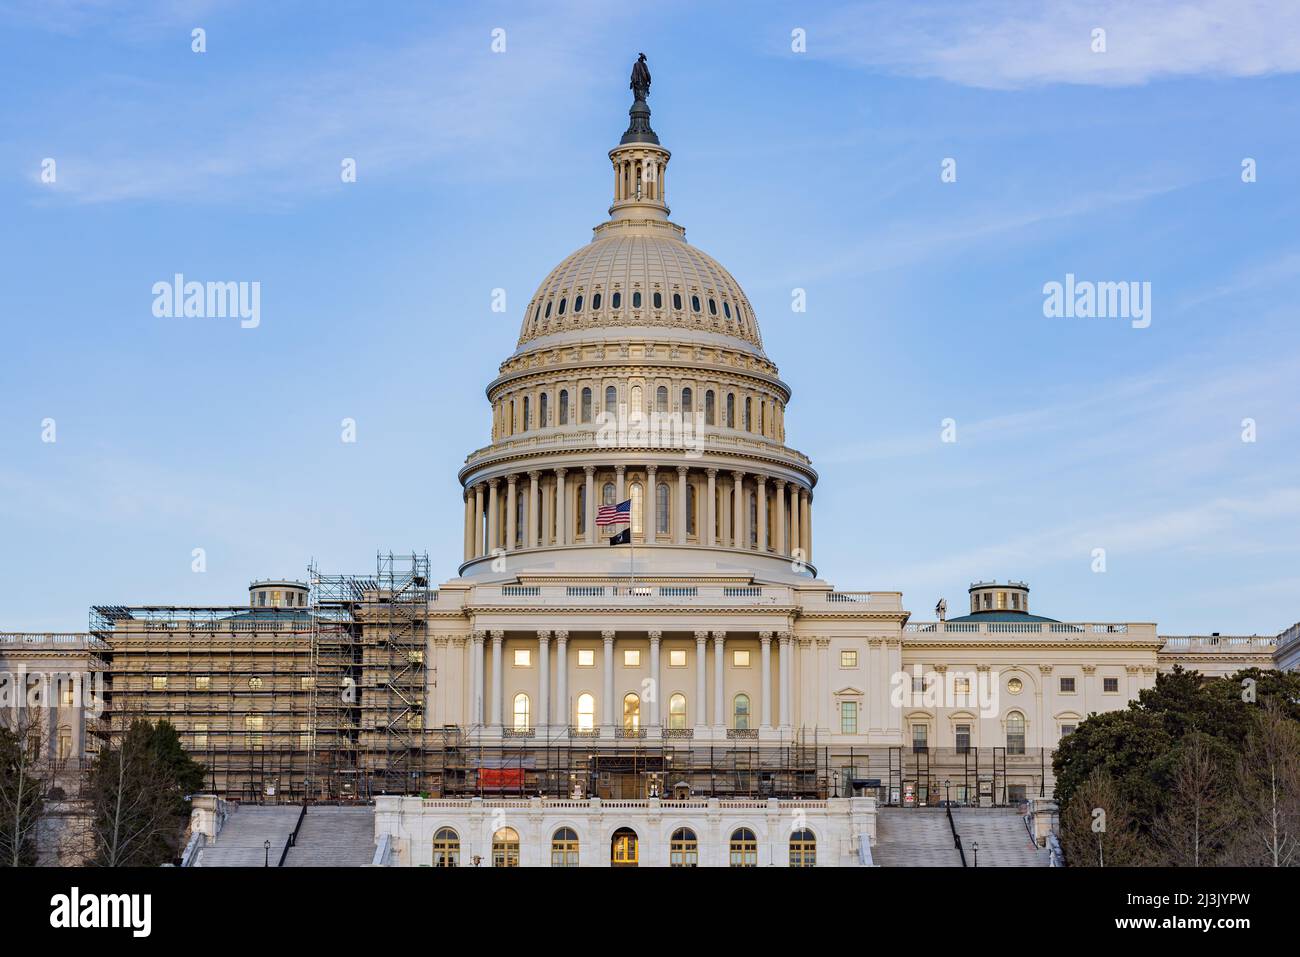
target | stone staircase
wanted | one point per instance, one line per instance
(915, 837)
(242, 840)
(1001, 835)
(334, 837)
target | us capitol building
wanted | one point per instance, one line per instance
(697, 693)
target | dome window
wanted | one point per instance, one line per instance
(564, 302)
(595, 302)
(537, 313)
(616, 300)
(577, 304)
(713, 307)
(636, 299)
(677, 301)
(548, 310)
(726, 307)
(695, 305)
(658, 300)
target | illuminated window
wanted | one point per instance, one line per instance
(848, 659)
(505, 848)
(586, 712)
(1015, 685)
(744, 848)
(740, 659)
(200, 736)
(684, 849)
(446, 848)
(631, 712)
(803, 848)
(740, 712)
(523, 658)
(586, 657)
(65, 744)
(159, 682)
(307, 682)
(521, 712)
(202, 682)
(677, 712)
(961, 686)
(564, 848)
(255, 682)
(677, 658)
(623, 850)
(637, 524)
(631, 658)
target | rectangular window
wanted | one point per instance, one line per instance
(202, 682)
(961, 686)
(740, 659)
(1067, 729)
(1015, 793)
(920, 738)
(304, 736)
(65, 745)
(848, 717)
(918, 683)
(160, 683)
(523, 658)
(308, 682)
(963, 739)
(677, 659)
(848, 659)
(1110, 685)
(631, 658)
(200, 736)
(1067, 686)
(66, 691)
(586, 657)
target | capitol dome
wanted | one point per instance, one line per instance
(639, 378)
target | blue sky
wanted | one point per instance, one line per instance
(818, 170)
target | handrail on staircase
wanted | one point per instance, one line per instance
(956, 838)
(293, 836)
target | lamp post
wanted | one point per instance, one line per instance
(976, 848)
(267, 862)
(946, 801)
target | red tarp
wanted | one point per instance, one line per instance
(501, 779)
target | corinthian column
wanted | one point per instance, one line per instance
(651, 501)
(679, 521)
(760, 503)
(780, 516)
(655, 686)
(737, 515)
(478, 520)
(511, 510)
(561, 526)
(711, 509)
(494, 518)
(561, 709)
(543, 720)
(607, 699)
(589, 516)
(498, 679)
(719, 684)
(700, 710)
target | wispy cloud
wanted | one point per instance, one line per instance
(1020, 43)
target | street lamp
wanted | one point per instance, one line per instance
(975, 846)
(946, 801)
(267, 862)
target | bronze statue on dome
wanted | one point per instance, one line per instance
(640, 84)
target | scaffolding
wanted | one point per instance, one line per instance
(334, 605)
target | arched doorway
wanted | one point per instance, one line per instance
(623, 848)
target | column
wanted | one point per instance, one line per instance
(543, 719)
(607, 699)
(469, 525)
(737, 516)
(620, 483)
(680, 519)
(786, 683)
(494, 518)
(563, 716)
(719, 685)
(805, 533)
(796, 540)
(476, 679)
(511, 510)
(760, 505)
(651, 499)
(498, 678)
(823, 682)
(655, 705)
(534, 535)
(765, 693)
(710, 517)
(561, 526)
(589, 518)
(780, 517)
(478, 519)
(700, 708)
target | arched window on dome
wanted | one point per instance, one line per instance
(607, 494)
(658, 299)
(677, 301)
(586, 405)
(688, 402)
(611, 399)
(548, 309)
(577, 303)
(726, 308)
(662, 518)
(537, 313)
(731, 410)
(511, 430)
(636, 299)
(710, 408)
(690, 508)
(713, 307)
(661, 399)
(595, 303)
(695, 304)
(527, 410)
(543, 407)
(616, 300)
(748, 422)
(564, 407)
(635, 496)
(563, 303)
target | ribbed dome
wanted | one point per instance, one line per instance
(596, 287)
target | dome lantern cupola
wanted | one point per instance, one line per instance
(639, 161)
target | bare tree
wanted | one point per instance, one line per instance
(1269, 788)
(1097, 826)
(30, 776)
(1198, 812)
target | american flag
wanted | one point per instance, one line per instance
(619, 514)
